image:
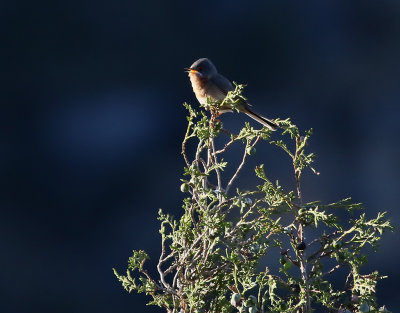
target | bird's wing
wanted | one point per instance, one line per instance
(219, 86)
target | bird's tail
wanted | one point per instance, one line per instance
(264, 121)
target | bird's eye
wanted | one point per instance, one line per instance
(199, 68)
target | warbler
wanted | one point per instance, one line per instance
(208, 83)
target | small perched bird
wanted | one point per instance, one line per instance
(207, 82)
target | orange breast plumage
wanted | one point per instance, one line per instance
(199, 85)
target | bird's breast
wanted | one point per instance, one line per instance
(199, 85)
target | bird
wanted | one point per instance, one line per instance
(208, 83)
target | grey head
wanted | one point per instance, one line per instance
(203, 67)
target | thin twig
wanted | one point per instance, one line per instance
(237, 172)
(187, 137)
(300, 233)
(170, 269)
(332, 269)
(241, 164)
(160, 262)
(226, 146)
(198, 151)
(297, 171)
(215, 161)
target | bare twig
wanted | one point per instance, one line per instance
(332, 269)
(215, 161)
(226, 146)
(198, 151)
(187, 137)
(240, 165)
(160, 262)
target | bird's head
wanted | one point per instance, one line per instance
(202, 67)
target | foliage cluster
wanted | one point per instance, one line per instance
(211, 256)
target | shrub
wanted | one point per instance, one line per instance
(211, 256)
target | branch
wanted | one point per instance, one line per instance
(241, 164)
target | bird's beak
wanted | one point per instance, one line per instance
(190, 70)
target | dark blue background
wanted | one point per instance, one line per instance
(92, 123)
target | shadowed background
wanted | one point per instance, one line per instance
(92, 124)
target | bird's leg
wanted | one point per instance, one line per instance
(214, 116)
